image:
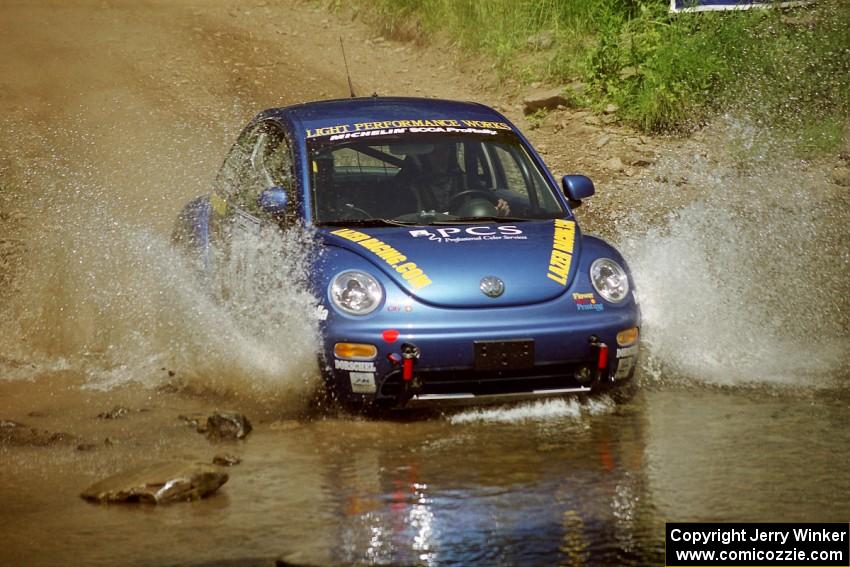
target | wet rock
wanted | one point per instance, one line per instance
(226, 460)
(544, 100)
(841, 176)
(542, 40)
(158, 484)
(228, 425)
(18, 434)
(115, 413)
(196, 421)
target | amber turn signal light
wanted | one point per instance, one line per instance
(356, 351)
(627, 337)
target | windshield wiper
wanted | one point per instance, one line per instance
(365, 222)
(469, 220)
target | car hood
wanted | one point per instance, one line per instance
(445, 265)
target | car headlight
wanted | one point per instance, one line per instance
(609, 280)
(356, 292)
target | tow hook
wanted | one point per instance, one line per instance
(409, 385)
(600, 350)
(409, 355)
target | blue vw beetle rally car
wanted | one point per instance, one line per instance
(452, 267)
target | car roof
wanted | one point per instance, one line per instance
(322, 114)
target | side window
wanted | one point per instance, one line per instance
(264, 160)
(275, 160)
(227, 182)
(517, 177)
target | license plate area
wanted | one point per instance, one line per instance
(504, 355)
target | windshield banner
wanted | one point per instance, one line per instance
(384, 127)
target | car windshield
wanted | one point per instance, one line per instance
(427, 179)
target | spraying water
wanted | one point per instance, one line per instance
(744, 280)
(104, 293)
(547, 410)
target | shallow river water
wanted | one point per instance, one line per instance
(560, 482)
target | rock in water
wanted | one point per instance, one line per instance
(197, 421)
(226, 460)
(114, 413)
(158, 484)
(19, 435)
(228, 425)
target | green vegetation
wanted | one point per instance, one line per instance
(664, 71)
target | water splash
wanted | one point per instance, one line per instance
(104, 293)
(745, 278)
(541, 411)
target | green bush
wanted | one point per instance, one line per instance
(664, 71)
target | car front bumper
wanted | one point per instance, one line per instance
(448, 370)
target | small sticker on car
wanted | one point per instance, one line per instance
(362, 382)
(627, 351)
(587, 302)
(561, 259)
(354, 365)
(624, 366)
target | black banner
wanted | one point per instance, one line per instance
(757, 545)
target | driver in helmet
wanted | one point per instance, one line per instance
(441, 179)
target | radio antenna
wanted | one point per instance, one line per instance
(347, 74)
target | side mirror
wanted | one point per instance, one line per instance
(273, 200)
(576, 188)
